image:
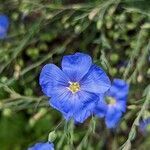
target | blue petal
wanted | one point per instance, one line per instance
(101, 107)
(53, 80)
(120, 82)
(66, 103)
(77, 106)
(82, 115)
(42, 146)
(121, 105)
(119, 90)
(76, 66)
(4, 21)
(112, 117)
(95, 81)
(89, 101)
(4, 24)
(62, 101)
(3, 33)
(79, 116)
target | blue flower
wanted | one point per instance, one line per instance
(74, 90)
(4, 24)
(113, 104)
(42, 146)
(145, 125)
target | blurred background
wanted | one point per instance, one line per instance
(115, 33)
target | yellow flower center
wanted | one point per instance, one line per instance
(74, 87)
(110, 100)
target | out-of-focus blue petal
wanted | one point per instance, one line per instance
(113, 111)
(101, 107)
(143, 126)
(95, 81)
(4, 24)
(119, 82)
(112, 117)
(4, 21)
(76, 66)
(100, 110)
(121, 105)
(53, 80)
(42, 146)
(3, 33)
(119, 90)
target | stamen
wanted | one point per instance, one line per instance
(110, 100)
(74, 87)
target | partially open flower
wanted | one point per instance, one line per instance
(113, 103)
(42, 146)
